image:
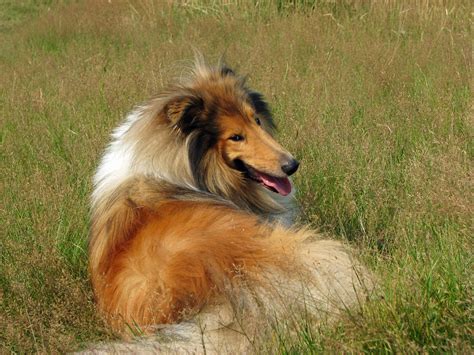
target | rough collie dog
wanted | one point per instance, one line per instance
(192, 218)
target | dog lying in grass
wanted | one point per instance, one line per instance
(192, 216)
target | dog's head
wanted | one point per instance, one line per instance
(229, 132)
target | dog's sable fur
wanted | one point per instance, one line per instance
(192, 208)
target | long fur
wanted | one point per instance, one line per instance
(180, 234)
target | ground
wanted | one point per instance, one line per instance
(373, 98)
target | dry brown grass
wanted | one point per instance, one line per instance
(375, 99)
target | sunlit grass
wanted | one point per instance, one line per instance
(375, 99)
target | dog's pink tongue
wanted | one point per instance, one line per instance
(281, 185)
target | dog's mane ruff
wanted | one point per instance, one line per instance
(148, 144)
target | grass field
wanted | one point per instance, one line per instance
(374, 98)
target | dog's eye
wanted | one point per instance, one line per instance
(257, 120)
(236, 138)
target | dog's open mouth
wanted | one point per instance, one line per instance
(280, 185)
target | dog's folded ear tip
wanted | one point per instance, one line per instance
(177, 107)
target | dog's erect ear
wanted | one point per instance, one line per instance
(262, 109)
(185, 112)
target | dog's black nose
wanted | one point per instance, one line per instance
(290, 167)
